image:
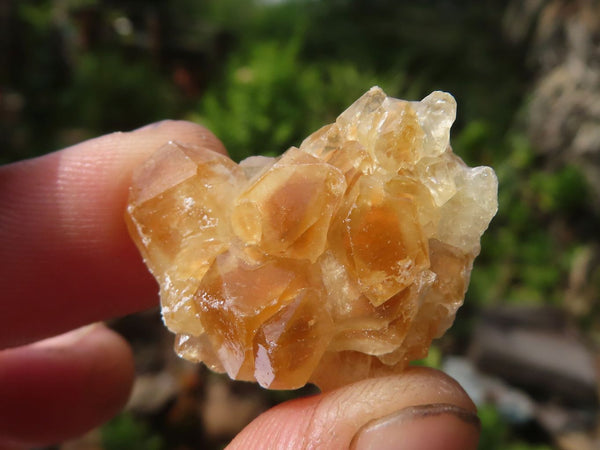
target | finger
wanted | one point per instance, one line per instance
(65, 256)
(63, 386)
(419, 409)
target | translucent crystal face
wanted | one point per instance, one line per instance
(337, 261)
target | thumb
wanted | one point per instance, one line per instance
(419, 409)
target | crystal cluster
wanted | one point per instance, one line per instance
(337, 261)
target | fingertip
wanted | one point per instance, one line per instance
(111, 374)
(182, 131)
(436, 426)
(63, 236)
(64, 386)
(333, 419)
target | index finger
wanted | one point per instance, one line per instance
(65, 255)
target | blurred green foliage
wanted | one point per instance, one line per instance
(523, 259)
(107, 92)
(125, 432)
(496, 433)
(271, 99)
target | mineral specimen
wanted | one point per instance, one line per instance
(337, 261)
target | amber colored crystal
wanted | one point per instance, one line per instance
(340, 260)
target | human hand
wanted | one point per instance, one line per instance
(66, 261)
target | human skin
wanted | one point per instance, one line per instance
(66, 261)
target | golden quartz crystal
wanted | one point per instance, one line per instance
(337, 261)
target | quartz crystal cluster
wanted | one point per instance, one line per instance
(339, 260)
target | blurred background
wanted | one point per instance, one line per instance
(263, 74)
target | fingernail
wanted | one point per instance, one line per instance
(67, 339)
(423, 427)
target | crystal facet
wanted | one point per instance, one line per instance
(337, 261)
